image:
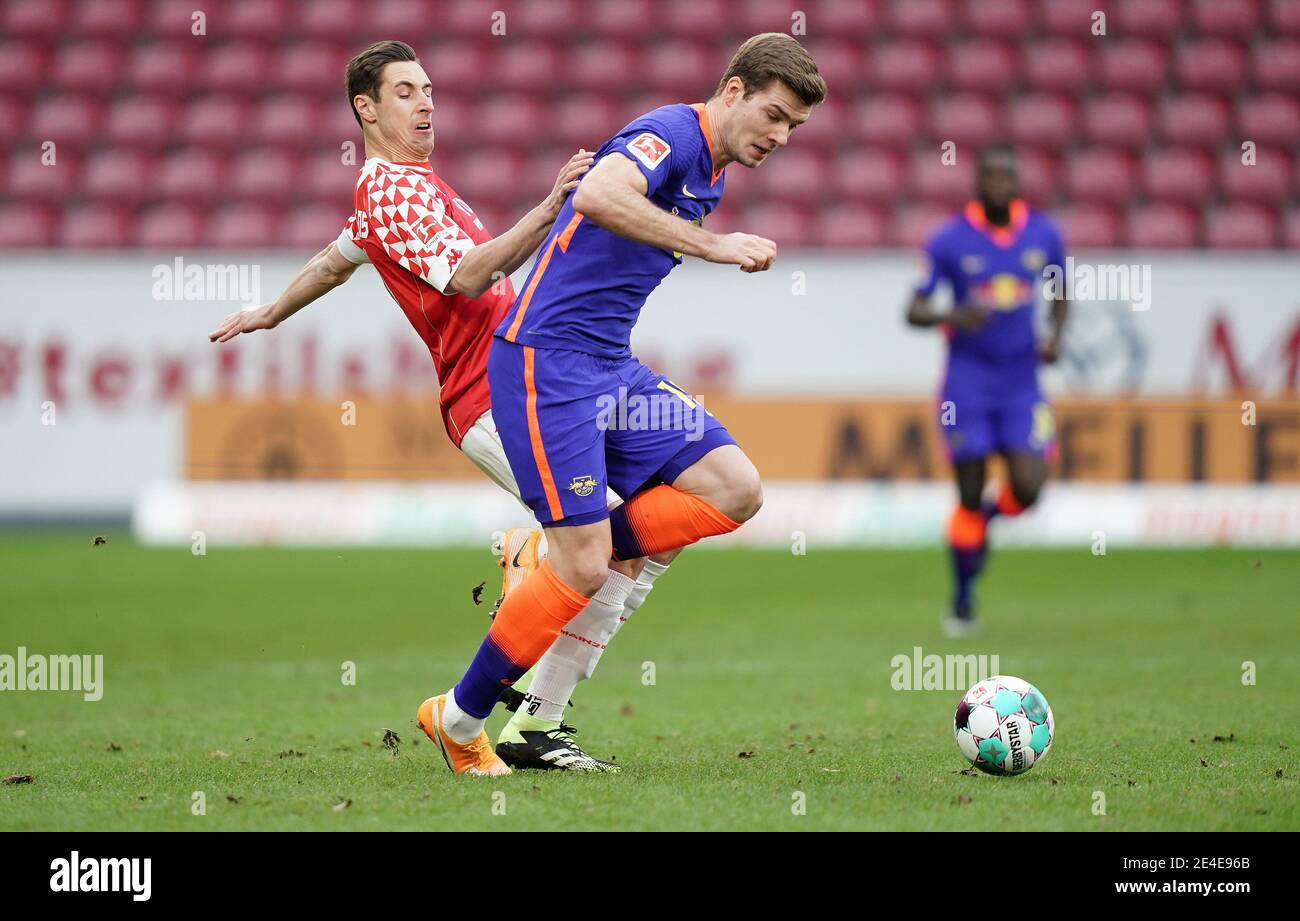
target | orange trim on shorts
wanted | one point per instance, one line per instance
(966, 529)
(563, 239)
(535, 436)
(528, 292)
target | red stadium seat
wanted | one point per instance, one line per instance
(29, 178)
(754, 16)
(700, 17)
(13, 119)
(872, 174)
(95, 225)
(49, 20)
(491, 175)
(1194, 118)
(841, 63)
(1120, 119)
(454, 63)
(264, 174)
(93, 67)
(1069, 18)
(1178, 174)
(1100, 174)
(245, 225)
(192, 174)
(796, 175)
(142, 120)
(686, 69)
(289, 119)
(847, 226)
(1038, 171)
(1057, 65)
(857, 20)
(122, 19)
(71, 119)
(235, 67)
(388, 18)
(1211, 64)
(1227, 18)
(914, 224)
(1241, 226)
(164, 67)
(177, 19)
(1163, 225)
(553, 19)
(1133, 64)
(1152, 18)
(828, 125)
(919, 18)
(1276, 65)
(528, 65)
(1043, 120)
(972, 121)
(944, 183)
(27, 224)
(1007, 19)
(327, 176)
(625, 19)
(304, 67)
(585, 120)
(512, 119)
(24, 66)
(1290, 230)
(886, 119)
(905, 66)
(120, 174)
(1091, 225)
(601, 63)
(984, 65)
(1267, 180)
(1273, 118)
(1284, 16)
(170, 225)
(789, 224)
(336, 20)
(216, 120)
(257, 19)
(313, 225)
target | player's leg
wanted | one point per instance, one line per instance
(1026, 429)
(967, 539)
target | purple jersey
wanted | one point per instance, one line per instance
(1000, 268)
(589, 284)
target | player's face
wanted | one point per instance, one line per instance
(763, 122)
(405, 108)
(997, 183)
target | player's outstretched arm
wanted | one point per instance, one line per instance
(500, 256)
(323, 273)
(920, 312)
(614, 196)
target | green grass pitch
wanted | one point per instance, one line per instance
(771, 688)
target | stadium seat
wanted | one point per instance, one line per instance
(1043, 120)
(791, 223)
(1275, 65)
(326, 176)
(1241, 226)
(625, 19)
(853, 226)
(117, 175)
(176, 19)
(1267, 180)
(302, 66)
(24, 66)
(264, 174)
(943, 183)
(120, 19)
(1272, 118)
(256, 19)
(1290, 230)
(1194, 118)
(235, 67)
(244, 225)
(170, 225)
(1178, 174)
(1069, 18)
(485, 176)
(600, 63)
(971, 120)
(50, 20)
(919, 18)
(1162, 225)
(27, 224)
(796, 175)
(1120, 119)
(90, 67)
(1006, 19)
(1150, 18)
(386, 18)
(1057, 65)
(163, 67)
(142, 120)
(509, 119)
(882, 118)
(289, 119)
(1213, 64)
(828, 126)
(192, 174)
(1133, 64)
(907, 66)
(585, 120)
(871, 174)
(685, 69)
(1038, 171)
(858, 20)
(95, 225)
(13, 119)
(912, 225)
(71, 119)
(1228, 18)
(336, 20)
(1088, 226)
(841, 63)
(553, 19)
(313, 225)
(215, 120)
(529, 65)
(701, 17)
(450, 64)
(1284, 16)
(1100, 174)
(30, 178)
(984, 65)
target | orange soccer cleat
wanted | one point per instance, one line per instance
(476, 757)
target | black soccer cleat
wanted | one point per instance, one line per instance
(549, 750)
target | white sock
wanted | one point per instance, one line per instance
(644, 583)
(462, 727)
(575, 652)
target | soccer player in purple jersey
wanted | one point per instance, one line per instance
(562, 354)
(993, 256)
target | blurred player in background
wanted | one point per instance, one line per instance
(993, 256)
(564, 348)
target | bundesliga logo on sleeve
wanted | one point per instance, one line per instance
(649, 149)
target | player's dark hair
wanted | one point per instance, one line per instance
(997, 153)
(776, 56)
(364, 71)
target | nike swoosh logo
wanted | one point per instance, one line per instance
(517, 552)
(686, 191)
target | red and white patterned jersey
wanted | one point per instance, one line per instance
(414, 229)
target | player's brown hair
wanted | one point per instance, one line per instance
(364, 71)
(776, 56)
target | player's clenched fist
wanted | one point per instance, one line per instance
(242, 321)
(751, 253)
(568, 180)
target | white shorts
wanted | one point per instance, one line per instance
(482, 445)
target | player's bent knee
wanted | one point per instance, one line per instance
(1026, 494)
(744, 496)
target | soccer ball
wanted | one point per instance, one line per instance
(1004, 725)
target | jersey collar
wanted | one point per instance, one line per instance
(1002, 236)
(703, 112)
